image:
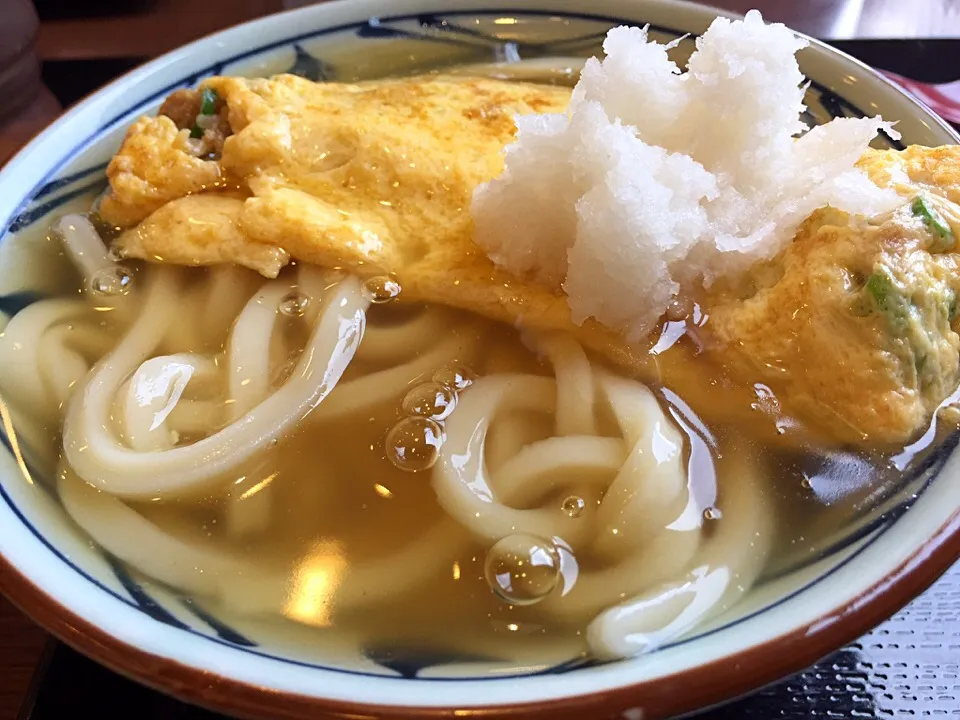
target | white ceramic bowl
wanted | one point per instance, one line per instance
(884, 557)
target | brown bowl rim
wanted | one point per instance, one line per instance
(696, 688)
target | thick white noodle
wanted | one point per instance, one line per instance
(250, 504)
(315, 283)
(727, 565)
(62, 367)
(154, 409)
(184, 563)
(547, 465)
(575, 386)
(99, 458)
(362, 393)
(509, 435)
(23, 379)
(248, 351)
(84, 245)
(663, 557)
(225, 292)
(388, 343)
(250, 507)
(151, 395)
(211, 303)
(44, 348)
(460, 478)
(651, 487)
(396, 571)
(655, 582)
(196, 418)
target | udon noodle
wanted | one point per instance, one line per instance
(184, 391)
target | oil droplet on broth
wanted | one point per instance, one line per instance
(111, 281)
(712, 513)
(949, 414)
(522, 569)
(413, 444)
(431, 400)
(294, 304)
(381, 289)
(454, 377)
(573, 506)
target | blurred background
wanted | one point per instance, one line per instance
(53, 52)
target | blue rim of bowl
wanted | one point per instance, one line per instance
(869, 534)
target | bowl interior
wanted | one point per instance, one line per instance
(64, 171)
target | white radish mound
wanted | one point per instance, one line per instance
(656, 179)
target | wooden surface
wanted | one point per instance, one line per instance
(169, 25)
(21, 644)
(175, 22)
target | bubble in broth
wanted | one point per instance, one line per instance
(522, 569)
(712, 513)
(294, 304)
(573, 506)
(110, 281)
(381, 289)
(431, 400)
(455, 377)
(413, 444)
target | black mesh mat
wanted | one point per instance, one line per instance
(907, 667)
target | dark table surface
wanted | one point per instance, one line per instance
(908, 667)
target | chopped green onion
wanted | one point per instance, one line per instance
(208, 102)
(880, 287)
(934, 222)
(888, 298)
(196, 132)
